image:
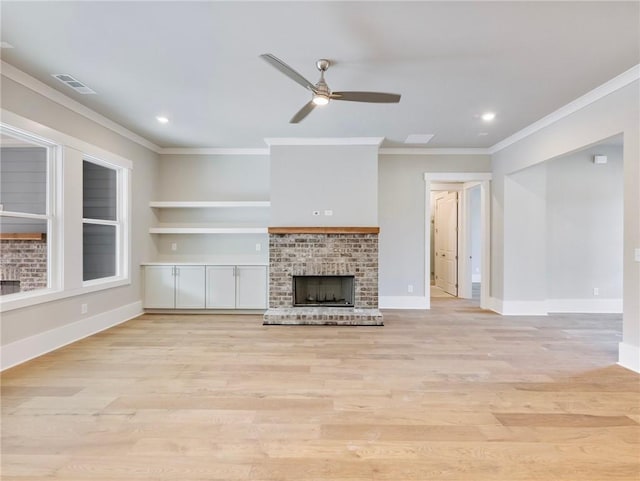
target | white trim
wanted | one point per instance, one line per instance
(594, 306)
(629, 356)
(476, 278)
(523, 308)
(212, 151)
(29, 348)
(587, 99)
(457, 176)
(403, 302)
(34, 129)
(432, 151)
(270, 141)
(26, 80)
(495, 305)
(207, 230)
(171, 204)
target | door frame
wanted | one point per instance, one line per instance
(484, 180)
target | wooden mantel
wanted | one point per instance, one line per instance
(324, 230)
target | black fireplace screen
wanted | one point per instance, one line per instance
(331, 291)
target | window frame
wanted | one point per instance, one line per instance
(120, 223)
(51, 214)
(65, 282)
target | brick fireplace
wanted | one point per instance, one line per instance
(323, 251)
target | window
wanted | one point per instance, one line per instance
(102, 229)
(26, 212)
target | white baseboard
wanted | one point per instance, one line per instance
(595, 306)
(403, 302)
(629, 356)
(31, 347)
(519, 308)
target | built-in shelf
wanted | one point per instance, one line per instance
(207, 230)
(187, 227)
(223, 204)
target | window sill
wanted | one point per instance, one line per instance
(21, 300)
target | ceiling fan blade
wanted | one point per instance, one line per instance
(302, 113)
(377, 97)
(288, 71)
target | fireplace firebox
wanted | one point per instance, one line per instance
(330, 291)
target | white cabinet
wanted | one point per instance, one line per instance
(174, 287)
(236, 287)
(159, 287)
(251, 287)
(221, 287)
(205, 287)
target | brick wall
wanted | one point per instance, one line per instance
(24, 261)
(323, 254)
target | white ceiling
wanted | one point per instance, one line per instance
(198, 63)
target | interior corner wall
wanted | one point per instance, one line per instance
(585, 231)
(402, 220)
(38, 321)
(613, 114)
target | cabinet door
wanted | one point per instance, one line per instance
(251, 287)
(221, 287)
(190, 287)
(159, 287)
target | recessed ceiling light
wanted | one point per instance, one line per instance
(418, 138)
(488, 116)
(162, 119)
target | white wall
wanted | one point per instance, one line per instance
(613, 114)
(41, 326)
(403, 221)
(210, 178)
(585, 230)
(475, 234)
(340, 178)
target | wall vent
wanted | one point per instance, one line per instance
(75, 84)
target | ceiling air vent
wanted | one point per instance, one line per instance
(76, 85)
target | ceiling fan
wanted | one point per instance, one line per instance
(321, 93)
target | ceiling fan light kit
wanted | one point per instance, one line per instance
(320, 90)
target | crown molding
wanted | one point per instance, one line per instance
(587, 99)
(43, 89)
(212, 151)
(433, 151)
(271, 141)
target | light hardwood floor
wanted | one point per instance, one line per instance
(452, 394)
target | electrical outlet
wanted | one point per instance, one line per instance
(328, 212)
(410, 288)
(84, 308)
(596, 291)
(174, 246)
(316, 212)
(258, 247)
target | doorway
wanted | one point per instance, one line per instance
(473, 192)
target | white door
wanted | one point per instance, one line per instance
(221, 287)
(446, 242)
(251, 287)
(190, 287)
(159, 287)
